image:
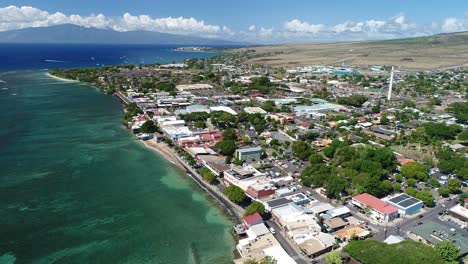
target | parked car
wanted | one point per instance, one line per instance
(272, 231)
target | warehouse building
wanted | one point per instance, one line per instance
(406, 204)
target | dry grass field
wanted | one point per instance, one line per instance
(423, 53)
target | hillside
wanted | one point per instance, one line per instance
(76, 34)
(437, 51)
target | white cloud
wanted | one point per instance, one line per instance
(297, 25)
(295, 30)
(13, 17)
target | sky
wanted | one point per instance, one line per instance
(254, 21)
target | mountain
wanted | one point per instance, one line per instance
(69, 33)
(419, 53)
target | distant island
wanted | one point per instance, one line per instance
(74, 34)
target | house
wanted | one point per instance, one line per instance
(317, 245)
(352, 231)
(341, 211)
(255, 110)
(251, 220)
(379, 210)
(334, 224)
(249, 154)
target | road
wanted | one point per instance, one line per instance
(292, 250)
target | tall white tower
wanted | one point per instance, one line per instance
(389, 96)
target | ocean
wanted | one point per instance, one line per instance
(77, 187)
(47, 56)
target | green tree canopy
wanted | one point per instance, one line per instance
(443, 191)
(148, 127)
(255, 207)
(414, 170)
(333, 257)
(301, 149)
(336, 186)
(426, 196)
(226, 147)
(448, 251)
(208, 175)
(453, 185)
(234, 193)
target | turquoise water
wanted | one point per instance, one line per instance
(76, 187)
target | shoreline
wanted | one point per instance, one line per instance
(231, 210)
(164, 150)
(60, 78)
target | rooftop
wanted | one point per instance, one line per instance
(376, 203)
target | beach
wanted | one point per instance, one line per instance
(60, 78)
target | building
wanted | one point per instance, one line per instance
(352, 231)
(276, 203)
(255, 110)
(249, 154)
(379, 210)
(193, 87)
(334, 224)
(341, 212)
(317, 245)
(459, 212)
(252, 220)
(433, 232)
(406, 204)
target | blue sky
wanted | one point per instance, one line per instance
(255, 20)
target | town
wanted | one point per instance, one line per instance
(315, 164)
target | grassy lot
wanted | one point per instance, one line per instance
(421, 53)
(406, 252)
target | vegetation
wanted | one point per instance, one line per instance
(414, 170)
(148, 127)
(333, 257)
(448, 251)
(255, 207)
(409, 252)
(234, 193)
(208, 175)
(265, 260)
(460, 111)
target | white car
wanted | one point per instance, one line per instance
(272, 231)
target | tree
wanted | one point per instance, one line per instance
(208, 175)
(387, 186)
(230, 134)
(301, 149)
(234, 193)
(453, 185)
(443, 191)
(226, 147)
(255, 207)
(315, 158)
(397, 187)
(426, 196)
(448, 251)
(398, 178)
(414, 170)
(463, 136)
(333, 257)
(411, 191)
(336, 186)
(433, 182)
(148, 127)
(411, 182)
(265, 260)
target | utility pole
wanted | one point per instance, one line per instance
(389, 96)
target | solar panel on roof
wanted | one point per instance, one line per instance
(408, 202)
(399, 198)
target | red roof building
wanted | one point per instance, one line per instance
(251, 220)
(380, 210)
